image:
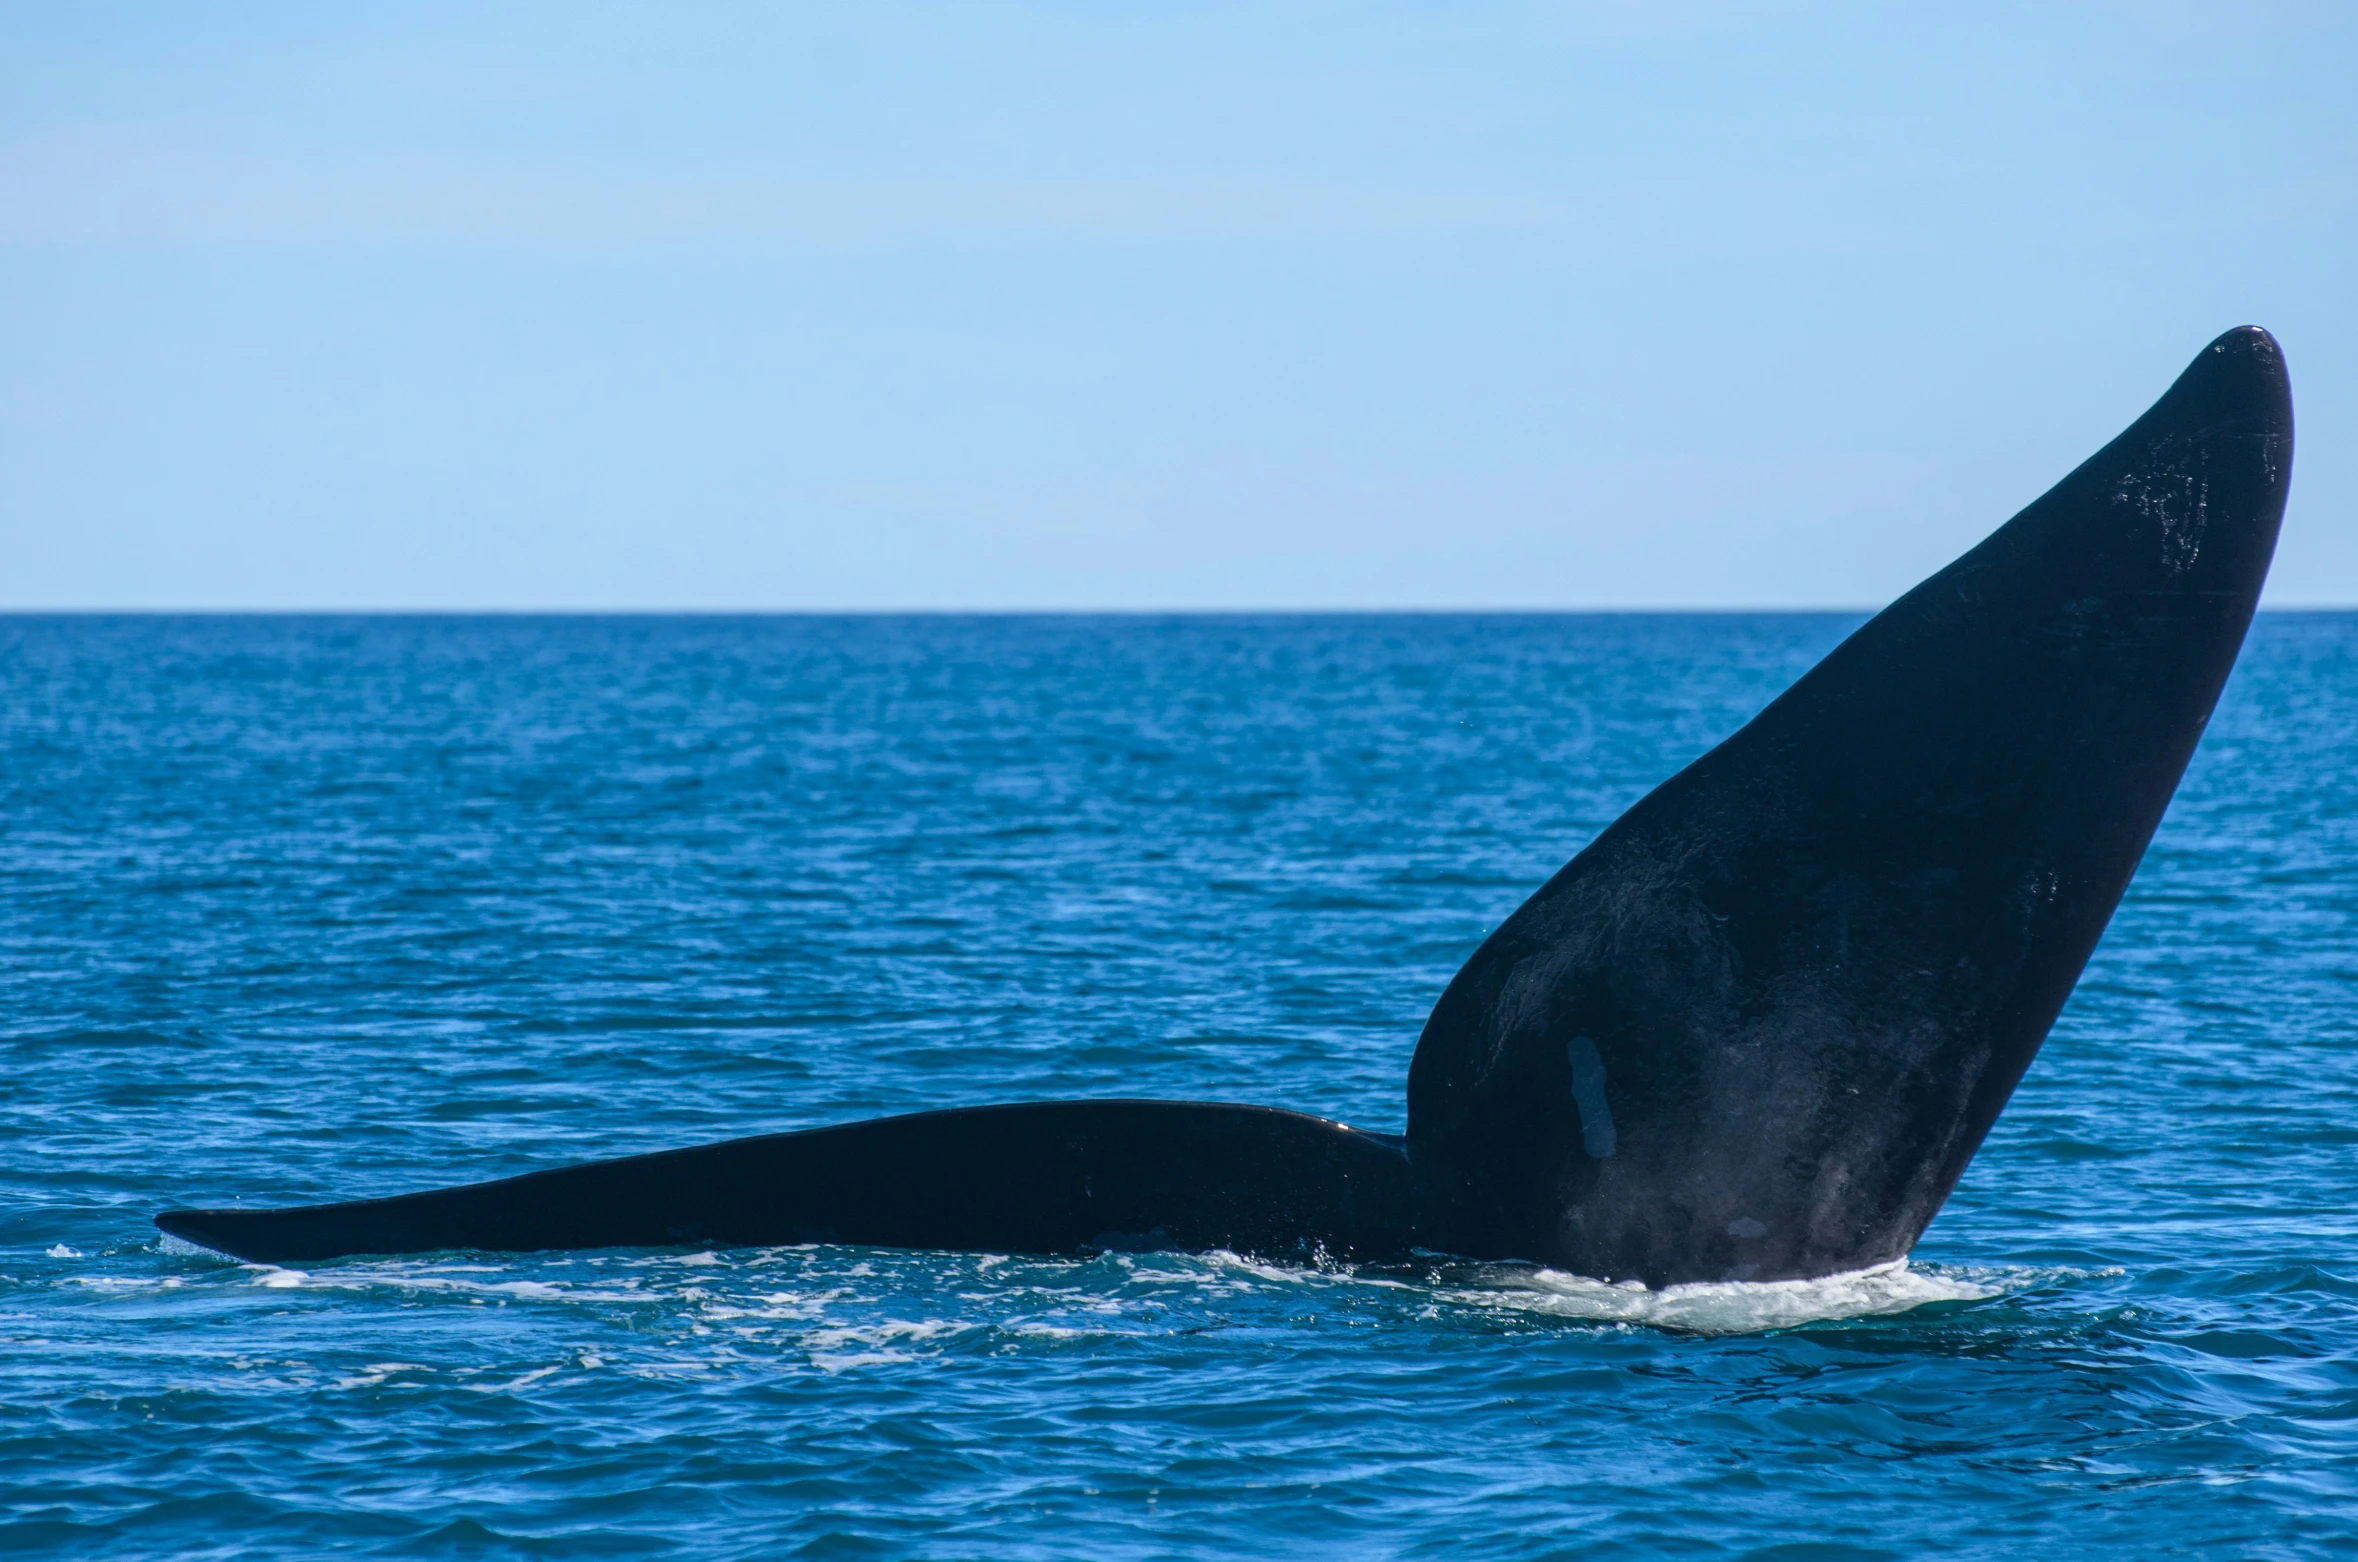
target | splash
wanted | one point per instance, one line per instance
(1722, 1307)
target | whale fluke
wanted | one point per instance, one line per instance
(1754, 1031)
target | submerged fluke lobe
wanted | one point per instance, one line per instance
(1039, 1177)
(1754, 1031)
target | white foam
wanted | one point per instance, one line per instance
(376, 1372)
(1723, 1307)
(834, 1349)
(447, 1279)
(526, 1381)
(1046, 1331)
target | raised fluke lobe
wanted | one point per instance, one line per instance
(1755, 1030)
(1814, 963)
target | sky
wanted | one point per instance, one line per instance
(1135, 306)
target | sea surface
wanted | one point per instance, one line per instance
(297, 909)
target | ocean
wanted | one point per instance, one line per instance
(308, 908)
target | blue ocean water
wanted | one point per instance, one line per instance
(309, 908)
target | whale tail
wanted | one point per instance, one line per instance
(1757, 1027)
(1754, 1030)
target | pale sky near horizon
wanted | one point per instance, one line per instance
(734, 305)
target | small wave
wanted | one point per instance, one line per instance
(1724, 1307)
(510, 1387)
(834, 1349)
(377, 1372)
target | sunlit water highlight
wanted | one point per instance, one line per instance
(298, 909)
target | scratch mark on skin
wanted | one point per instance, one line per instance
(1588, 1094)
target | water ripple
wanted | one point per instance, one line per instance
(312, 908)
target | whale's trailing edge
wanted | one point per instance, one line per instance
(1755, 1030)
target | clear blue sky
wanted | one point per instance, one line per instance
(1133, 305)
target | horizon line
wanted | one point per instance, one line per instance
(994, 612)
